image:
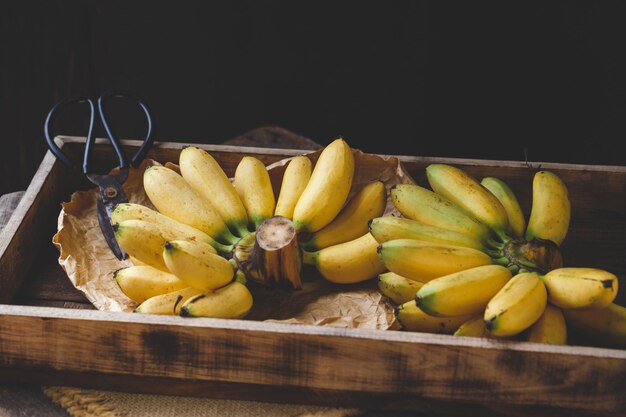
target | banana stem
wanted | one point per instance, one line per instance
(504, 261)
(496, 254)
(308, 257)
(504, 238)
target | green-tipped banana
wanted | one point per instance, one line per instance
(514, 213)
(605, 326)
(254, 187)
(474, 327)
(352, 221)
(233, 301)
(516, 306)
(550, 328)
(295, 179)
(173, 197)
(587, 288)
(425, 206)
(467, 193)
(170, 228)
(328, 188)
(202, 270)
(142, 282)
(424, 261)
(550, 213)
(398, 288)
(389, 228)
(142, 240)
(348, 262)
(412, 318)
(209, 180)
(462, 293)
(167, 304)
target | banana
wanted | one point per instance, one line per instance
(347, 262)
(425, 206)
(473, 328)
(253, 185)
(514, 213)
(587, 288)
(233, 301)
(550, 328)
(202, 270)
(295, 179)
(327, 189)
(464, 191)
(550, 212)
(424, 261)
(142, 240)
(170, 228)
(208, 179)
(412, 318)
(142, 282)
(169, 303)
(173, 197)
(606, 326)
(390, 228)
(353, 219)
(398, 288)
(516, 306)
(135, 261)
(462, 293)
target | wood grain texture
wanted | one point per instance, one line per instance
(411, 364)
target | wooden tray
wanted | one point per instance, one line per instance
(50, 334)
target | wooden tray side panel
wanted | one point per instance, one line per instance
(305, 356)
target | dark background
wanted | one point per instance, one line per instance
(487, 80)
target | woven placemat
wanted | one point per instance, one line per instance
(89, 403)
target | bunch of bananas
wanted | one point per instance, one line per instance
(209, 237)
(462, 260)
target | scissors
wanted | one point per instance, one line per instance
(110, 188)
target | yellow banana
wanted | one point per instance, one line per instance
(253, 185)
(412, 318)
(398, 288)
(142, 282)
(352, 221)
(135, 261)
(550, 212)
(347, 262)
(424, 261)
(474, 327)
(233, 301)
(462, 293)
(173, 197)
(516, 306)
(514, 213)
(295, 179)
(391, 227)
(587, 288)
(605, 326)
(142, 240)
(550, 328)
(169, 303)
(464, 191)
(202, 270)
(328, 188)
(170, 228)
(425, 206)
(208, 179)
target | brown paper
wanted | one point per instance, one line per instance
(90, 264)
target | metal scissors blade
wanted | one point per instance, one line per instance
(110, 194)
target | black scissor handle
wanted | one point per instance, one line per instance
(53, 146)
(148, 139)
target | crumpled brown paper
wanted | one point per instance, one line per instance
(90, 264)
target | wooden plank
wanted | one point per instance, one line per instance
(372, 404)
(400, 363)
